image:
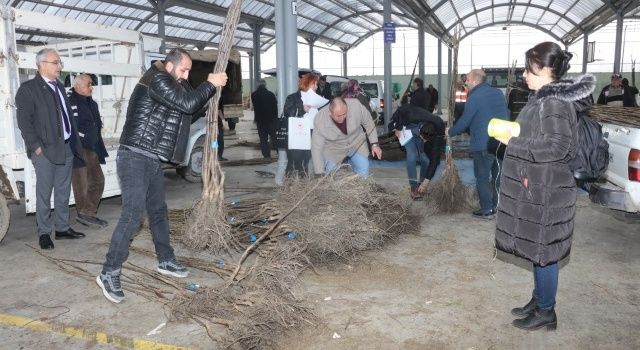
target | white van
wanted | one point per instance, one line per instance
(375, 90)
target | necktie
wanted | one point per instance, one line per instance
(65, 119)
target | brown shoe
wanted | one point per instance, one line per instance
(416, 195)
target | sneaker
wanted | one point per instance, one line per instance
(489, 215)
(110, 284)
(173, 268)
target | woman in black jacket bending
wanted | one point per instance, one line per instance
(537, 202)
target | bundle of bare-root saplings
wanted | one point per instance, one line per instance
(309, 222)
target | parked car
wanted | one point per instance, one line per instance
(336, 82)
(375, 90)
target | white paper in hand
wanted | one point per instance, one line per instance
(312, 99)
(405, 136)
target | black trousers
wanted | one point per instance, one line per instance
(298, 162)
(266, 131)
(220, 138)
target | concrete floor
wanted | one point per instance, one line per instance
(440, 289)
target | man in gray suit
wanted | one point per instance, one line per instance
(52, 141)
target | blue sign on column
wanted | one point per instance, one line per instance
(389, 32)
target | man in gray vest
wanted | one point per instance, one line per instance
(51, 139)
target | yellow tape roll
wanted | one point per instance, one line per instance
(503, 128)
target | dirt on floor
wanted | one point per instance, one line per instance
(444, 288)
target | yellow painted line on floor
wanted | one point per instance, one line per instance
(81, 333)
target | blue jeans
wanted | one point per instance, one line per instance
(359, 163)
(545, 282)
(415, 152)
(142, 186)
(485, 169)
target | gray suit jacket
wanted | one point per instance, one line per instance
(39, 121)
(329, 143)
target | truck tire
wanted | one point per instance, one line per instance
(5, 217)
(193, 171)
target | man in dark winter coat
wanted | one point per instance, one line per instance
(483, 104)
(88, 180)
(158, 109)
(265, 109)
(615, 94)
(420, 97)
(51, 139)
(433, 93)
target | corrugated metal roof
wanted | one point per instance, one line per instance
(344, 23)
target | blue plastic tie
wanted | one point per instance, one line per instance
(264, 221)
(214, 144)
(221, 262)
(251, 236)
(192, 286)
(291, 235)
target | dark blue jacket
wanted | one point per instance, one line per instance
(87, 117)
(483, 104)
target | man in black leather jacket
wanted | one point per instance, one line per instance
(152, 133)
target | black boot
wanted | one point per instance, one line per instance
(525, 310)
(537, 319)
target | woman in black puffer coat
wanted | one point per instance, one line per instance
(537, 202)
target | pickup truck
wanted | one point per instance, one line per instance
(619, 189)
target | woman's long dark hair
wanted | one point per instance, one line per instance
(548, 54)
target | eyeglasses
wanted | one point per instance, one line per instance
(57, 63)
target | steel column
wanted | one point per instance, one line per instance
(291, 39)
(439, 76)
(618, 50)
(280, 54)
(311, 43)
(344, 62)
(252, 78)
(585, 51)
(421, 50)
(388, 99)
(161, 6)
(256, 66)
(449, 66)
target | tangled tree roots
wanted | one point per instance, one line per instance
(255, 318)
(207, 228)
(344, 215)
(449, 194)
(260, 309)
